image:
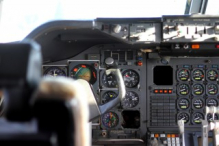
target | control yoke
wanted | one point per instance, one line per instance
(213, 125)
(96, 110)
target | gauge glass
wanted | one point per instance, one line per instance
(197, 117)
(212, 75)
(109, 95)
(212, 89)
(198, 75)
(131, 78)
(183, 89)
(183, 103)
(184, 117)
(198, 89)
(54, 72)
(210, 117)
(84, 71)
(110, 120)
(183, 75)
(198, 103)
(131, 99)
(212, 102)
(109, 80)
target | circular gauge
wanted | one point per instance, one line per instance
(197, 117)
(84, 71)
(110, 119)
(183, 75)
(183, 103)
(212, 89)
(212, 102)
(198, 103)
(109, 95)
(184, 117)
(131, 78)
(183, 89)
(131, 99)
(109, 80)
(198, 75)
(54, 72)
(198, 89)
(210, 118)
(212, 75)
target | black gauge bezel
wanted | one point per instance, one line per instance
(207, 89)
(192, 77)
(197, 98)
(194, 115)
(103, 95)
(211, 115)
(178, 92)
(178, 78)
(63, 69)
(210, 98)
(207, 75)
(127, 70)
(202, 85)
(104, 84)
(183, 98)
(117, 123)
(184, 112)
(128, 107)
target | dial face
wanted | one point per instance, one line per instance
(183, 75)
(109, 80)
(210, 117)
(198, 75)
(212, 89)
(131, 99)
(109, 95)
(197, 117)
(212, 102)
(183, 89)
(54, 72)
(183, 103)
(131, 78)
(184, 117)
(198, 103)
(198, 89)
(84, 71)
(212, 75)
(110, 120)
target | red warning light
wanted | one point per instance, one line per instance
(75, 69)
(84, 66)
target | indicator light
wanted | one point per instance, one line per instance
(217, 46)
(173, 135)
(195, 46)
(168, 135)
(75, 69)
(165, 91)
(160, 91)
(155, 91)
(140, 63)
(84, 66)
(170, 91)
(156, 135)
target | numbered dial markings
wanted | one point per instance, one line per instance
(131, 100)
(184, 117)
(212, 89)
(183, 103)
(212, 102)
(212, 75)
(131, 78)
(108, 96)
(110, 120)
(183, 89)
(109, 80)
(198, 75)
(198, 103)
(198, 89)
(54, 72)
(183, 75)
(197, 117)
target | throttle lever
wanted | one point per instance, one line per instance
(181, 130)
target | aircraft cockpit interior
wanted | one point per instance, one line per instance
(144, 81)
